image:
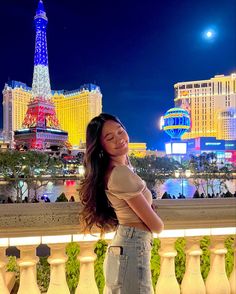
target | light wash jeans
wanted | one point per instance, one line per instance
(127, 262)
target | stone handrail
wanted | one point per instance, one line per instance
(56, 224)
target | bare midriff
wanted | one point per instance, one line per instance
(140, 226)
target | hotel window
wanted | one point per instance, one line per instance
(203, 85)
(189, 86)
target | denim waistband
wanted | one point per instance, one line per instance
(132, 232)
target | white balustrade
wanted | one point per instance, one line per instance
(27, 264)
(3, 262)
(167, 282)
(57, 260)
(192, 219)
(192, 281)
(217, 281)
(87, 283)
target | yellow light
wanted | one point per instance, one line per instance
(4, 242)
(177, 174)
(86, 237)
(56, 239)
(188, 173)
(21, 241)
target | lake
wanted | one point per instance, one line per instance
(69, 187)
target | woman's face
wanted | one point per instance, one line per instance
(114, 139)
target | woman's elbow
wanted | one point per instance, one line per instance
(159, 227)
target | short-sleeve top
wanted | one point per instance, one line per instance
(123, 185)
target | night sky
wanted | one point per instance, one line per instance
(134, 50)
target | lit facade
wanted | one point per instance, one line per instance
(16, 96)
(212, 106)
(74, 109)
(138, 149)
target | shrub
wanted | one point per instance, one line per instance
(72, 266)
(62, 198)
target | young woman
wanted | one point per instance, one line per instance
(114, 197)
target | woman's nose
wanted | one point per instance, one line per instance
(119, 140)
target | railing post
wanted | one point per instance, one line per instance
(3, 262)
(217, 281)
(167, 282)
(87, 283)
(192, 281)
(57, 260)
(232, 279)
(27, 264)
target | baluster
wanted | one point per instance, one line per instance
(3, 262)
(217, 281)
(192, 281)
(87, 283)
(57, 260)
(167, 282)
(232, 279)
(27, 264)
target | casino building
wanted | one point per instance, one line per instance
(74, 109)
(211, 105)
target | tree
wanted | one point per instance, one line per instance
(154, 170)
(206, 172)
(12, 168)
(25, 170)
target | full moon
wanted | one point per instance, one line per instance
(209, 34)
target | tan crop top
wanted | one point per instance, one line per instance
(123, 185)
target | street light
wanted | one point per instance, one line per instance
(182, 174)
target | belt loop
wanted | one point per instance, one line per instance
(131, 232)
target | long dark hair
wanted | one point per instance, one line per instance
(96, 209)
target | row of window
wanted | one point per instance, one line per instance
(199, 85)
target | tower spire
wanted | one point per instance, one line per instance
(41, 128)
(41, 83)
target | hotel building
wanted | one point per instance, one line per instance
(74, 109)
(212, 106)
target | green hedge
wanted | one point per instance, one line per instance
(72, 265)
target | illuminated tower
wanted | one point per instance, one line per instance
(41, 128)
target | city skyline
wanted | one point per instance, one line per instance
(135, 55)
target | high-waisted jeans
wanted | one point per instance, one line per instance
(127, 262)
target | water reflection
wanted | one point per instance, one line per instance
(53, 189)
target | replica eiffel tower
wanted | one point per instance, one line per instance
(40, 128)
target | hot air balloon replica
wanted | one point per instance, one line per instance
(175, 123)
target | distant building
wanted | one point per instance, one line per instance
(3, 143)
(74, 109)
(138, 149)
(225, 150)
(212, 106)
(16, 96)
(40, 117)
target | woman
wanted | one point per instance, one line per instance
(113, 196)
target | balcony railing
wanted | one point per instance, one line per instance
(26, 226)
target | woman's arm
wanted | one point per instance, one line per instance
(144, 211)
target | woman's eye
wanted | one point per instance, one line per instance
(109, 138)
(120, 132)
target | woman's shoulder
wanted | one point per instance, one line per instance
(121, 170)
(122, 175)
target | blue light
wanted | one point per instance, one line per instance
(40, 20)
(209, 34)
